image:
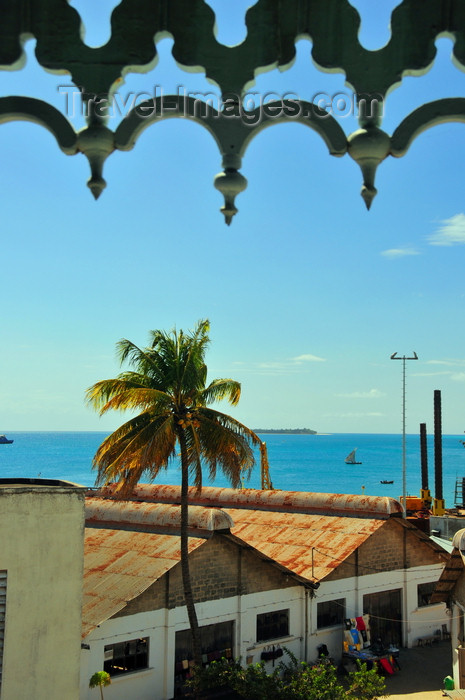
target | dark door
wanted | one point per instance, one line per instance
(385, 610)
(217, 641)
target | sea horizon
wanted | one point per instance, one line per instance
(298, 462)
(273, 431)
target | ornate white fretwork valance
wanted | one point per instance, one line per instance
(273, 27)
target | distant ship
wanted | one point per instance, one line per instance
(387, 481)
(4, 440)
(351, 459)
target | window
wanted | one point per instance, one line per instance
(272, 625)
(214, 639)
(2, 617)
(330, 613)
(425, 591)
(217, 641)
(125, 657)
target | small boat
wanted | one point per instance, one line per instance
(4, 440)
(386, 481)
(351, 459)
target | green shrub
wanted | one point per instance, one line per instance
(289, 681)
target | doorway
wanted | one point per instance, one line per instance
(385, 610)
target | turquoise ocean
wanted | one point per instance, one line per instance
(297, 462)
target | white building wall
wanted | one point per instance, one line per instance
(271, 601)
(157, 682)
(424, 621)
(457, 624)
(417, 622)
(331, 636)
(140, 684)
(42, 538)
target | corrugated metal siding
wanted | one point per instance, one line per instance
(3, 578)
(120, 565)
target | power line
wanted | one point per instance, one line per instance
(355, 566)
(393, 619)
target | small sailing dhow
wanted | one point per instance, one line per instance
(351, 458)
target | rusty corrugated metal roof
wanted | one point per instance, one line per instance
(119, 565)
(283, 501)
(309, 545)
(307, 534)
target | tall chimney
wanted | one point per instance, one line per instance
(424, 457)
(437, 445)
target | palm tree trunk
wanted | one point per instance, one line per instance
(186, 578)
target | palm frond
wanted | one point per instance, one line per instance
(129, 352)
(220, 389)
(192, 348)
(123, 395)
(138, 399)
(143, 444)
(230, 423)
(224, 445)
(99, 393)
(165, 357)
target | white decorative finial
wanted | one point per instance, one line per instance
(96, 142)
(230, 183)
(368, 147)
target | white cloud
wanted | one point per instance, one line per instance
(448, 363)
(372, 394)
(458, 377)
(353, 415)
(429, 374)
(451, 232)
(399, 252)
(293, 365)
(308, 358)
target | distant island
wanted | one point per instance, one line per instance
(285, 431)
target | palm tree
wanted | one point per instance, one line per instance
(167, 384)
(100, 679)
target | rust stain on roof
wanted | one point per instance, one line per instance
(309, 534)
(309, 545)
(154, 515)
(292, 501)
(119, 565)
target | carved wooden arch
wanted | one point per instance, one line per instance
(273, 27)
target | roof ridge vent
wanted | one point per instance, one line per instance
(154, 515)
(273, 500)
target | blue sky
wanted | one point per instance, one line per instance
(308, 294)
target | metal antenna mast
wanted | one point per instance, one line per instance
(394, 356)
